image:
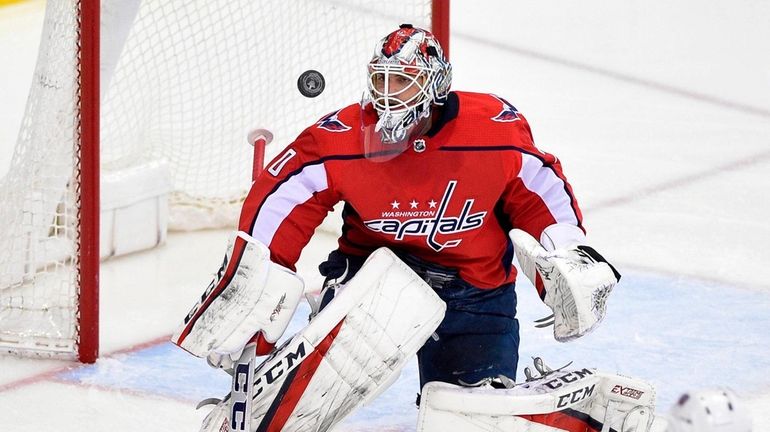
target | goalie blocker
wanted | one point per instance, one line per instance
(250, 298)
(351, 351)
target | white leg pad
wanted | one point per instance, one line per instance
(349, 352)
(575, 401)
(444, 406)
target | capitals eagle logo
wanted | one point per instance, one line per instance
(332, 123)
(508, 114)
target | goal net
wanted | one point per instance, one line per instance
(182, 82)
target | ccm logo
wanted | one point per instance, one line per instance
(285, 365)
(567, 378)
(627, 392)
(576, 396)
(209, 290)
(239, 407)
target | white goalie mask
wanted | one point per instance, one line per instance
(408, 74)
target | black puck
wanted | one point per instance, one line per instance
(311, 83)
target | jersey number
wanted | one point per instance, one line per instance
(279, 163)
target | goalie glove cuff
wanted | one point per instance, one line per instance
(566, 236)
(562, 236)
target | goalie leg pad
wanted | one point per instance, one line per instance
(626, 404)
(521, 408)
(576, 401)
(350, 351)
(249, 294)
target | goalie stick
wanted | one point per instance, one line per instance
(242, 389)
(241, 392)
(244, 383)
(251, 380)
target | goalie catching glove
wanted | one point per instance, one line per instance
(250, 299)
(573, 280)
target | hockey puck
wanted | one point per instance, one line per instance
(311, 83)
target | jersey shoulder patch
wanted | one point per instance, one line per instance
(508, 113)
(337, 121)
(332, 123)
(337, 133)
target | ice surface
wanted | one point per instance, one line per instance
(660, 114)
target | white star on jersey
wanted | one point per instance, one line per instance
(432, 204)
(395, 204)
(413, 204)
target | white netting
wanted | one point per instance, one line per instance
(182, 82)
(38, 292)
(189, 90)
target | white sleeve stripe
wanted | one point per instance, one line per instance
(549, 187)
(298, 189)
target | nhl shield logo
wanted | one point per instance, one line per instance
(419, 145)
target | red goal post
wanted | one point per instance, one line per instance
(181, 82)
(88, 219)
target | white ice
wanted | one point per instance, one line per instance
(660, 113)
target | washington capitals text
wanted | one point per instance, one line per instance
(435, 225)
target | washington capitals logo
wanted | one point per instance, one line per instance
(332, 123)
(508, 114)
(433, 222)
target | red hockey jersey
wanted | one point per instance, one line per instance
(449, 199)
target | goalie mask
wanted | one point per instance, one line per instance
(407, 75)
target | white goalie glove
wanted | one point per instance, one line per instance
(250, 299)
(572, 279)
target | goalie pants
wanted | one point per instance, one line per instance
(479, 336)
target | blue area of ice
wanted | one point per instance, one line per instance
(162, 369)
(680, 334)
(165, 370)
